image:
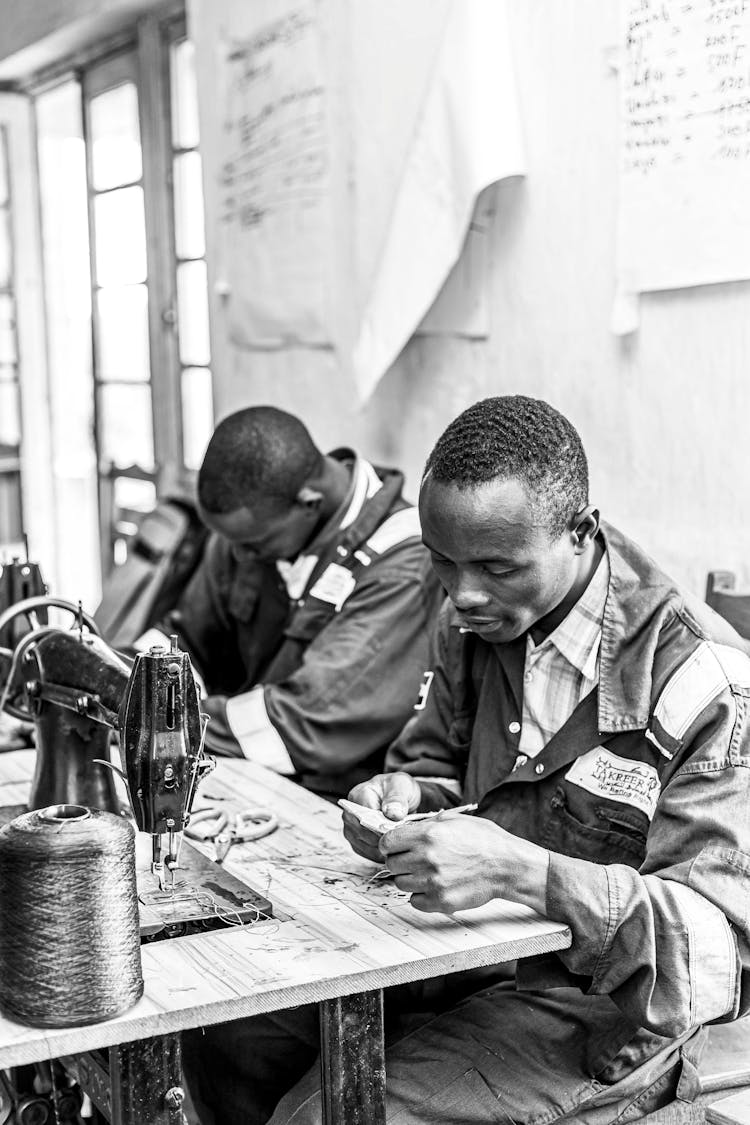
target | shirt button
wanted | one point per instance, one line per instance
(514, 727)
(527, 677)
(539, 768)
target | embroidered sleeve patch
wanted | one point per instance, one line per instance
(618, 779)
(709, 670)
(334, 585)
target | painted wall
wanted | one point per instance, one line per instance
(661, 412)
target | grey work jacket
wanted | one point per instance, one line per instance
(338, 684)
(642, 797)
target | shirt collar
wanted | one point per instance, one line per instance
(578, 635)
(365, 482)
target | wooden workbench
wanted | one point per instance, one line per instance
(335, 933)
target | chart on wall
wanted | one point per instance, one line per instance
(685, 144)
(273, 180)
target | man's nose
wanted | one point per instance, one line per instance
(467, 592)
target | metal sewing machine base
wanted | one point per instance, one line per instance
(205, 897)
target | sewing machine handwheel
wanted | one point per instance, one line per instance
(28, 608)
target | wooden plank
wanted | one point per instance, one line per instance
(335, 931)
(730, 1111)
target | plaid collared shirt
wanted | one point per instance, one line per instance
(564, 668)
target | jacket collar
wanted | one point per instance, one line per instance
(640, 601)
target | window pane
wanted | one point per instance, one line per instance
(125, 425)
(7, 330)
(10, 415)
(5, 250)
(120, 237)
(3, 168)
(122, 333)
(197, 414)
(190, 241)
(184, 96)
(11, 525)
(134, 495)
(192, 313)
(115, 137)
(5, 190)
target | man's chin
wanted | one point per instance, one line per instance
(497, 631)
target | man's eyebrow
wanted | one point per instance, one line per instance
(496, 560)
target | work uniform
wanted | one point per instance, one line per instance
(642, 797)
(323, 656)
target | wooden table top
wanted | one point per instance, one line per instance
(335, 931)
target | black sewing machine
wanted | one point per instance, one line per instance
(75, 690)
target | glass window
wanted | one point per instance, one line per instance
(7, 329)
(6, 256)
(192, 313)
(190, 239)
(10, 416)
(4, 179)
(194, 346)
(126, 425)
(122, 333)
(185, 130)
(120, 234)
(115, 138)
(197, 413)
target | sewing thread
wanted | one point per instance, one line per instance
(69, 931)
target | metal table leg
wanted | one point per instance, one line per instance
(135, 1083)
(352, 1059)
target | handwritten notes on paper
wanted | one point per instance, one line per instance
(685, 147)
(274, 206)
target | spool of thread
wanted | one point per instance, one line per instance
(69, 933)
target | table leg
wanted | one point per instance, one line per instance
(352, 1059)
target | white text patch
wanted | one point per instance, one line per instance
(619, 779)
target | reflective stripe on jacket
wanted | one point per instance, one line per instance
(339, 680)
(643, 798)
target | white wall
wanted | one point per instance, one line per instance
(661, 413)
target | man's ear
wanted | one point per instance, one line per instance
(585, 524)
(309, 497)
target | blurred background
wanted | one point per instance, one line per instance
(370, 213)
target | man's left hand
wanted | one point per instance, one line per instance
(219, 737)
(455, 862)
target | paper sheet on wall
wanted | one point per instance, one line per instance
(274, 207)
(685, 175)
(355, 141)
(466, 136)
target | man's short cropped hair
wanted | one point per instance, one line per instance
(259, 453)
(513, 436)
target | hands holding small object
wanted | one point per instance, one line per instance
(447, 861)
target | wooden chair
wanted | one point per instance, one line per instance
(722, 596)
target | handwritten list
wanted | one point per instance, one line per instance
(274, 178)
(685, 143)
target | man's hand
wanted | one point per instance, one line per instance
(454, 862)
(219, 737)
(394, 794)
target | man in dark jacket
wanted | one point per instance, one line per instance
(598, 717)
(308, 616)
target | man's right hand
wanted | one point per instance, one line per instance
(394, 794)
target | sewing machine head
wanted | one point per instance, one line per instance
(161, 749)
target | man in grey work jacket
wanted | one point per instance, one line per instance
(308, 616)
(598, 716)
